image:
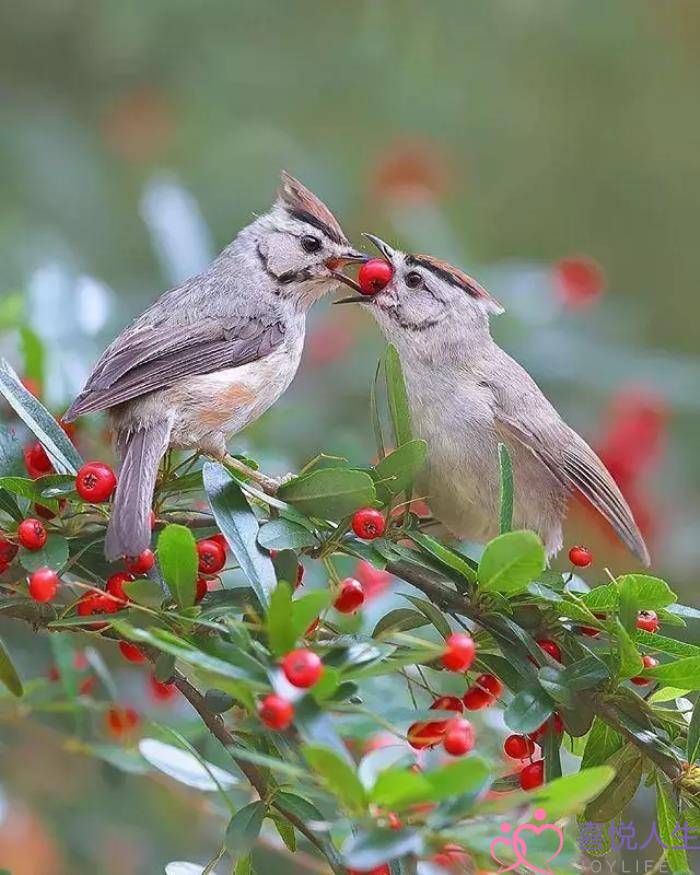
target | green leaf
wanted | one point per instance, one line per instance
(218, 701)
(396, 472)
(33, 353)
(177, 555)
(374, 409)
(399, 620)
(602, 742)
(54, 555)
(432, 613)
(630, 661)
(668, 818)
(664, 644)
(244, 866)
(280, 634)
(370, 848)
(511, 561)
(185, 767)
(467, 775)
(613, 800)
(8, 673)
(651, 592)
(629, 603)
(554, 683)
(29, 489)
(586, 673)
(449, 558)
(144, 591)
(307, 608)
(297, 805)
(330, 493)
(528, 710)
(693, 744)
(286, 832)
(65, 458)
(397, 397)
(244, 829)
(338, 775)
(240, 527)
(682, 673)
(283, 534)
(551, 755)
(506, 468)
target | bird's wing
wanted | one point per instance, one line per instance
(525, 415)
(146, 358)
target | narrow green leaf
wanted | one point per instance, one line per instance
(528, 710)
(177, 555)
(621, 790)
(664, 644)
(280, 634)
(33, 353)
(144, 591)
(668, 818)
(368, 849)
(54, 555)
(283, 534)
(330, 493)
(396, 472)
(630, 662)
(240, 527)
(8, 673)
(340, 777)
(586, 673)
(682, 673)
(374, 409)
(399, 620)
(693, 745)
(397, 397)
(307, 608)
(286, 832)
(244, 866)
(36, 417)
(511, 561)
(445, 556)
(432, 613)
(244, 828)
(602, 742)
(506, 468)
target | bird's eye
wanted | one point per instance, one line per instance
(310, 244)
(413, 279)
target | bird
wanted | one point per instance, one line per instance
(211, 355)
(467, 395)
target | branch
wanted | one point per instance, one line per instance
(432, 585)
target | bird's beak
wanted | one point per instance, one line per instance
(352, 256)
(349, 281)
(383, 247)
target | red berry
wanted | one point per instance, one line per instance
(131, 652)
(581, 557)
(161, 692)
(202, 589)
(115, 585)
(275, 712)
(140, 564)
(422, 735)
(368, 523)
(351, 596)
(212, 556)
(648, 621)
(374, 275)
(378, 870)
(8, 551)
(554, 723)
(95, 482)
(447, 703)
(121, 721)
(460, 652)
(37, 461)
(550, 647)
(86, 605)
(459, 737)
(394, 821)
(579, 280)
(519, 747)
(220, 540)
(302, 668)
(103, 603)
(43, 585)
(32, 534)
(484, 692)
(532, 776)
(649, 662)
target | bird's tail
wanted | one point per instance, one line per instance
(140, 450)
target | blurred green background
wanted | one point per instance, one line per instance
(551, 149)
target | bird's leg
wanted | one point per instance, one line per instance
(269, 485)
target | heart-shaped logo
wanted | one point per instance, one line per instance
(520, 844)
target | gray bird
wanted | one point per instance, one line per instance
(212, 355)
(467, 395)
